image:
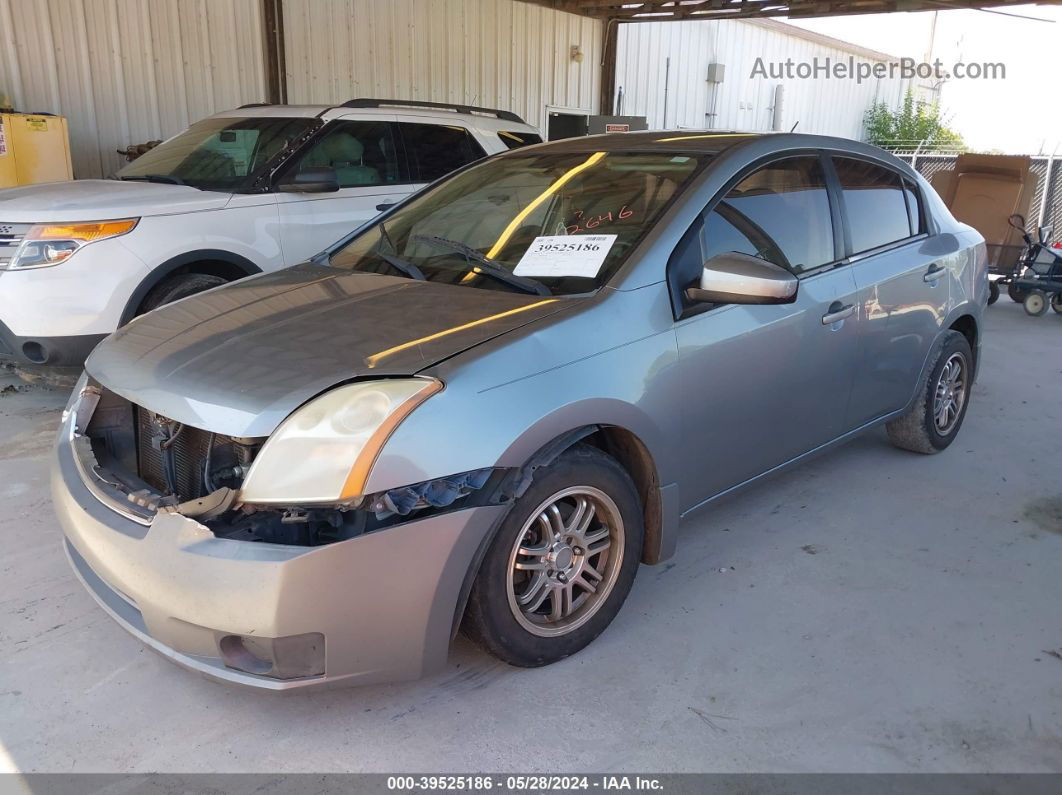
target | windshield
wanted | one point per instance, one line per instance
(217, 154)
(539, 223)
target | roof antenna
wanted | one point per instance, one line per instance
(794, 126)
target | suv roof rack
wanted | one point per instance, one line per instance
(363, 102)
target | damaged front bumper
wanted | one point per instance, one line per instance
(378, 607)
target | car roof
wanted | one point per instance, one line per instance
(704, 141)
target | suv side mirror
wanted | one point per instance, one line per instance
(316, 179)
(735, 278)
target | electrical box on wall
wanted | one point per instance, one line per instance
(33, 148)
(716, 72)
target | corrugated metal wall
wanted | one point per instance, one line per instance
(833, 107)
(495, 53)
(129, 71)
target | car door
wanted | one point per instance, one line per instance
(903, 279)
(764, 384)
(372, 176)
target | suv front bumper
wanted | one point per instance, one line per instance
(55, 316)
(382, 605)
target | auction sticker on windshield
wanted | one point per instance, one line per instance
(565, 255)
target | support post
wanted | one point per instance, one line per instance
(273, 49)
(608, 69)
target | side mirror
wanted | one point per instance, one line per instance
(734, 278)
(316, 179)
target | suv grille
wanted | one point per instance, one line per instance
(10, 239)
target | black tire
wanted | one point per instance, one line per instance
(1035, 303)
(993, 293)
(1056, 302)
(917, 430)
(176, 287)
(490, 619)
(1016, 293)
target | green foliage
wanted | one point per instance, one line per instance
(914, 124)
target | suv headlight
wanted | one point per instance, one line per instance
(49, 244)
(324, 451)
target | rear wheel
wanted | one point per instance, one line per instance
(1056, 302)
(1035, 303)
(180, 286)
(993, 293)
(934, 420)
(561, 564)
(1016, 293)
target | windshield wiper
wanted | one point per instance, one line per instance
(487, 266)
(396, 262)
(164, 178)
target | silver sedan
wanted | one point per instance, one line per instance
(486, 408)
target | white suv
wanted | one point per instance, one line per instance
(244, 191)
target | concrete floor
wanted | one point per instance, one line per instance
(873, 610)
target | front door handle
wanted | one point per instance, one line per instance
(837, 312)
(385, 206)
(935, 272)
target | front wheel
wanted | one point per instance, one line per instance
(1035, 303)
(177, 287)
(933, 422)
(561, 564)
(993, 293)
(1016, 293)
(1056, 302)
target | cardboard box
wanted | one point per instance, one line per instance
(985, 190)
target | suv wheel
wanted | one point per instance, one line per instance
(561, 564)
(934, 420)
(176, 287)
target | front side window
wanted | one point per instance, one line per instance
(780, 213)
(361, 152)
(875, 204)
(549, 223)
(218, 154)
(434, 150)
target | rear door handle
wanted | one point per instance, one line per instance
(838, 311)
(935, 272)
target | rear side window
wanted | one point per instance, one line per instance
(780, 213)
(434, 150)
(514, 140)
(875, 203)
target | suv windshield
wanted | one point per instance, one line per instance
(538, 223)
(217, 154)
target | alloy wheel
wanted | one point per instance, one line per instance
(950, 394)
(565, 561)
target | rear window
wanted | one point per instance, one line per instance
(434, 150)
(875, 203)
(514, 140)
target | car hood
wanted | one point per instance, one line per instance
(238, 359)
(102, 199)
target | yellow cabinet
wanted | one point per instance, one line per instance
(33, 149)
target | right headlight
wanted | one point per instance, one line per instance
(49, 244)
(324, 451)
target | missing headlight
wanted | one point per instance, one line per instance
(439, 493)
